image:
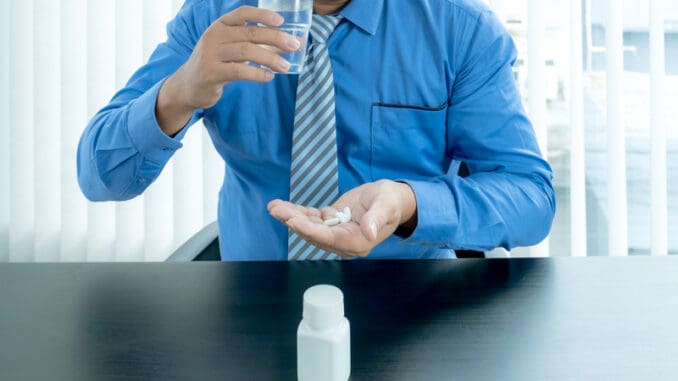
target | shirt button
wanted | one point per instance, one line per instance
(166, 149)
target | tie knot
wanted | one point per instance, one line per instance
(323, 26)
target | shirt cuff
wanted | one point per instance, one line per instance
(437, 218)
(144, 130)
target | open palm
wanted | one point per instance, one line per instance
(377, 210)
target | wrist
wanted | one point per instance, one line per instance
(172, 111)
(408, 216)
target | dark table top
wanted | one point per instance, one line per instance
(515, 319)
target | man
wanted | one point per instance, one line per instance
(394, 96)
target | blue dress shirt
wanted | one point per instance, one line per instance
(421, 86)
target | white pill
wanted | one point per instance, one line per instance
(332, 222)
(347, 213)
(343, 218)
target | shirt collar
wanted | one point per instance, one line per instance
(365, 14)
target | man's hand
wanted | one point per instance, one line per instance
(377, 211)
(221, 56)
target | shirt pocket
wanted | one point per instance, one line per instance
(408, 142)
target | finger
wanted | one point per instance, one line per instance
(345, 239)
(263, 36)
(234, 71)
(317, 234)
(347, 257)
(316, 220)
(304, 210)
(370, 228)
(274, 203)
(285, 211)
(328, 212)
(244, 52)
(245, 14)
(376, 217)
(314, 212)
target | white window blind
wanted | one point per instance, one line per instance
(21, 133)
(578, 224)
(659, 203)
(4, 131)
(536, 90)
(593, 90)
(616, 148)
(61, 62)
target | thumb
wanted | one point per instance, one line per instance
(373, 221)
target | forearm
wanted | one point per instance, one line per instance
(123, 150)
(484, 211)
(171, 111)
(504, 209)
(104, 174)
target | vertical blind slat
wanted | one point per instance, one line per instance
(188, 183)
(616, 154)
(101, 86)
(129, 57)
(536, 29)
(578, 235)
(159, 197)
(212, 170)
(47, 129)
(21, 139)
(659, 209)
(213, 177)
(4, 131)
(188, 191)
(74, 118)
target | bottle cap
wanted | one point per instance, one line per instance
(323, 306)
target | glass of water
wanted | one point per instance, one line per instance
(297, 15)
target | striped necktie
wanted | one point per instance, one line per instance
(314, 178)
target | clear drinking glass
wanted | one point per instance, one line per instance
(297, 15)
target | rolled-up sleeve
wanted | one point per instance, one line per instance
(508, 199)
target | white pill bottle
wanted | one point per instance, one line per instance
(323, 337)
